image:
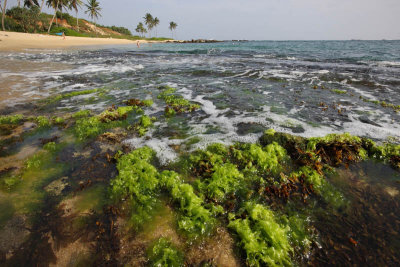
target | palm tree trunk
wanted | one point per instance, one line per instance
(41, 6)
(19, 3)
(3, 15)
(55, 13)
(77, 20)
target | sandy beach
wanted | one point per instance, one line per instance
(15, 41)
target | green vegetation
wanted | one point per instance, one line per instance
(195, 220)
(81, 114)
(163, 253)
(57, 98)
(138, 183)
(31, 19)
(269, 158)
(172, 28)
(261, 237)
(176, 103)
(27, 18)
(331, 195)
(140, 29)
(93, 9)
(96, 125)
(339, 92)
(11, 119)
(43, 122)
(24, 189)
(384, 104)
(145, 122)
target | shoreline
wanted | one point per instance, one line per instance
(16, 41)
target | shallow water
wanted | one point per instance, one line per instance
(263, 83)
(243, 88)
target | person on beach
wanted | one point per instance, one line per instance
(138, 44)
(63, 35)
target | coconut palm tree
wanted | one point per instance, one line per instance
(76, 4)
(30, 3)
(156, 21)
(62, 4)
(93, 8)
(140, 29)
(4, 14)
(172, 27)
(149, 21)
(54, 4)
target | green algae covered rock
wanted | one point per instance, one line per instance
(195, 220)
(176, 103)
(164, 253)
(264, 241)
(137, 182)
(11, 119)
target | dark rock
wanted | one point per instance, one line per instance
(365, 119)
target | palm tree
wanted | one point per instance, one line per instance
(63, 3)
(3, 15)
(140, 29)
(75, 4)
(93, 8)
(172, 27)
(54, 4)
(30, 3)
(156, 21)
(149, 21)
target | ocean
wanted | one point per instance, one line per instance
(308, 88)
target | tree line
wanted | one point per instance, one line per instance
(36, 6)
(29, 15)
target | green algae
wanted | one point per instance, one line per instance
(139, 103)
(176, 103)
(266, 159)
(264, 241)
(81, 114)
(138, 183)
(195, 220)
(58, 120)
(339, 92)
(60, 97)
(321, 186)
(93, 199)
(384, 104)
(298, 233)
(88, 127)
(164, 253)
(11, 119)
(96, 125)
(43, 122)
(226, 179)
(145, 122)
(26, 194)
(113, 114)
(388, 152)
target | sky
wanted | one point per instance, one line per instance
(259, 19)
